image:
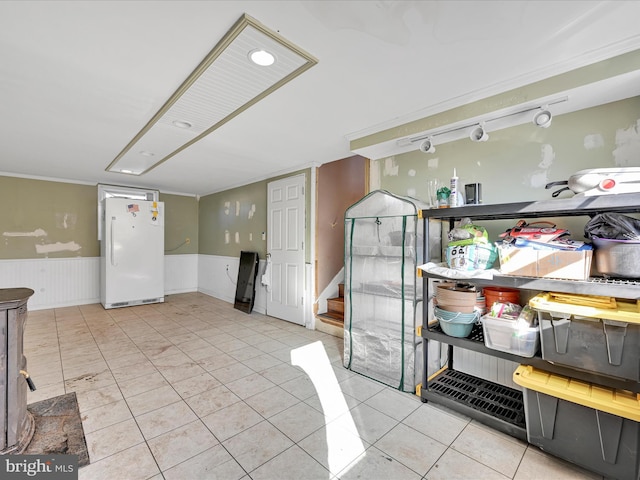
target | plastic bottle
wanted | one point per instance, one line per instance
(453, 197)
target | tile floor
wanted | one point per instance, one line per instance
(194, 389)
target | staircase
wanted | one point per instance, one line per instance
(335, 309)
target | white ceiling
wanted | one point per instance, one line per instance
(79, 79)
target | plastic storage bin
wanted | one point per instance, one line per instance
(592, 426)
(605, 341)
(617, 258)
(508, 336)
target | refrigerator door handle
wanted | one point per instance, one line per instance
(113, 260)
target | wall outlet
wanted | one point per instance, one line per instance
(187, 241)
(227, 268)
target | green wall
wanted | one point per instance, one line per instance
(241, 212)
(516, 163)
(44, 219)
(181, 222)
(65, 214)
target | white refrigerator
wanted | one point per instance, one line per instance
(132, 252)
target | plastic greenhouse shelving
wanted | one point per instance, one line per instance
(496, 405)
(383, 293)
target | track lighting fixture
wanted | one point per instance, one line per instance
(542, 118)
(478, 134)
(476, 129)
(427, 146)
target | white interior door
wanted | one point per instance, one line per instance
(286, 232)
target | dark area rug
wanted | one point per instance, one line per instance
(58, 428)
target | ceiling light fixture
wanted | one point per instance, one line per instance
(542, 118)
(181, 124)
(222, 86)
(427, 146)
(477, 129)
(262, 57)
(478, 134)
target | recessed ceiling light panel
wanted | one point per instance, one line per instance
(262, 57)
(181, 124)
(220, 88)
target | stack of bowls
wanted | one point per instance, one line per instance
(456, 297)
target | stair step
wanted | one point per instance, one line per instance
(332, 318)
(341, 289)
(336, 305)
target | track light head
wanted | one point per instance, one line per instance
(478, 134)
(427, 146)
(542, 118)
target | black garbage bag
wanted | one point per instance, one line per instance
(614, 226)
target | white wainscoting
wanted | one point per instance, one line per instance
(64, 282)
(216, 280)
(180, 273)
(57, 282)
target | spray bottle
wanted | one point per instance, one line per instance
(453, 197)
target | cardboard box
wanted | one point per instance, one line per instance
(528, 262)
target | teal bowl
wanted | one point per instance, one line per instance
(456, 324)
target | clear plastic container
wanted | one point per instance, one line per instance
(510, 336)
